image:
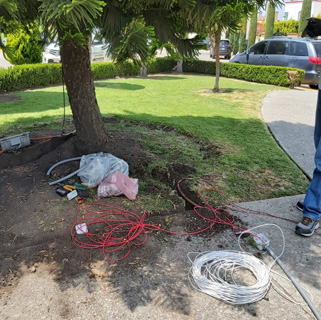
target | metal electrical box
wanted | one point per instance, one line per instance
(15, 142)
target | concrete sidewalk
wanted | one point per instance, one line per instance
(159, 288)
(290, 116)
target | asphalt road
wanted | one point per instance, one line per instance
(203, 55)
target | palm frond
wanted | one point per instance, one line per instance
(8, 9)
(79, 15)
(134, 43)
(112, 21)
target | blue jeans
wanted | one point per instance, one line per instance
(312, 200)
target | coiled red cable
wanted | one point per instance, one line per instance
(123, 229)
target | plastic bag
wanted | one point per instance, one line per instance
(97, 166)
(116, 184)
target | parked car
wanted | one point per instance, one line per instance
(98, 52)
(51, 53)
(225, 50)
(301, 53)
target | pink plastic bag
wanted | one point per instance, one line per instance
(116, 184)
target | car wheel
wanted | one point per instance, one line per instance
(314, 86)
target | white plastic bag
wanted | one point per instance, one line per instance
(116, 184)
(97, 166)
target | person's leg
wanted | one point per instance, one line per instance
(312, 200)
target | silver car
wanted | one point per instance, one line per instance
(286, 52)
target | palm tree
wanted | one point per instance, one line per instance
(216, 16)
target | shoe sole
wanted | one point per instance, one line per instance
(307, 234)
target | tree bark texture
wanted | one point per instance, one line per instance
(77, 75)
(217, 36)
(269, 25)
(253, 28)
(143, 70)
(179, 68)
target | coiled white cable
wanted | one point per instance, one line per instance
(208, 268)
(213, 273)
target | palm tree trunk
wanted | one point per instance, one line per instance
(143, 70)
(89, 123)
(217, 36)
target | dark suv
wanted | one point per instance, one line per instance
(286, 52)
(225, 49)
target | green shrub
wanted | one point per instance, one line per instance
(290, 26)
(38, 75)
(158, 65)
(262, 74)
(29, 76)
(32, 76)
(26, 45)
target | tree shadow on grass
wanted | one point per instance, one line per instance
(166, 78)
(33, 102)
(120, 85)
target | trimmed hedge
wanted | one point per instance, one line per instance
(262, 74)
(105, 70)
(37, 75)
(27, 76)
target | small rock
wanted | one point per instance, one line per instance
(33, 269)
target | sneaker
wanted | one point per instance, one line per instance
(299, 205)
(306, 227)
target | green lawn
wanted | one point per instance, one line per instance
(249, 164)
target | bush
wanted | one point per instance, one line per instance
(107, 70)
(262, 74)
(26, 45)
(290, 26)
(29, 76)
(32, 76)
(158, 65)
(38, 75)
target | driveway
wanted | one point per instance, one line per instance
(290, 116)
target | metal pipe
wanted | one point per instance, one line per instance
(297, 285)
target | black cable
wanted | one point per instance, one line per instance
(64, 101)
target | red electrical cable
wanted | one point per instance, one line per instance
(229, 204)
(122, 228)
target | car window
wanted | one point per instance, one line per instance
(258, 48)
(225, 42)
(317, 46)
(278, 47)
(298, 49)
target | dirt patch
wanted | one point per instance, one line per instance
(7, 97)
(35, 222)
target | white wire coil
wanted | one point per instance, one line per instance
(212, 273)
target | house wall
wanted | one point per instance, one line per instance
(293, 9)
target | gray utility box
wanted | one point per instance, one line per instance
(15, 142)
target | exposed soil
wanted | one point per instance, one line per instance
(35, 222)
(7, 97)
